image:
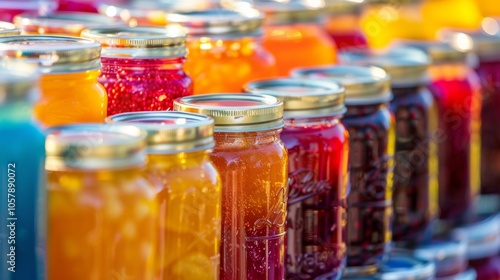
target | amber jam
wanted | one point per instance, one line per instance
(318, 148)
(371, 130)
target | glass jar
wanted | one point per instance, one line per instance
(10, 8)
(89, 6)
(372, 140)
(252, 162)
(69, 68)
(292, 30)
(401, 266)
(415, 188)
(224, 43)
(22, 236)
(62, 23)
(101, 211)
(448, 256)
(343, 24)
(8, 29)
(142, 67)
(318, 149)
(188, 192)
(483, 245)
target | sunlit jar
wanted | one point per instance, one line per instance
(10, 8)
(415, 188)
(402, 266)
(483, 246)
(62, 23)
(22, 237)
(8, 29)
(188, 192)
(343, 23)
(372, 140)
(457, 91)
(224, 43)
(69, 68)
(448, 256)
(101, 211)
(294, 29)
(318, 150)
(142, 67)
(252, 162)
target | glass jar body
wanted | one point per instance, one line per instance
(415, 189)
(489, 75)
(212, 61)
(372, 141)
(253, 169)
(189, 201)
(318, 150)
(102, 220)
(457, 93)
(143, 84)
(345, 30)
(69, 98)
(289, 43)
(23, 194)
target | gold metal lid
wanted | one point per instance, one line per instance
(484, 45)
(303, 97)
(236, 112)
(63, 23)
(363, 85)
(219, 22)
(289, 12)
(439, 52)
(171, 132)
(140, 42)
(50, 54)
(16, 86)
(94, 147)
(406, 66)
(341, 7)
(8, 29)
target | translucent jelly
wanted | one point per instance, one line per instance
(457, 93)
(101, 212)
(343, 24)
(252, 162)
(143, 84)
(22, 237)
(142, 67)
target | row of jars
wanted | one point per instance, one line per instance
(269, 190)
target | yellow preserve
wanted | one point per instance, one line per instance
(69, 68)
(188, 192)
(101, 211)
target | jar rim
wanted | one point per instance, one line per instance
(279, 13)
(171, 131)
(438, 52)
(8, 29)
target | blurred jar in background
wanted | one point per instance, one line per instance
(439, 14)
(8, 29)
(488, 8)
(294, 35)
(22, 237)
(89, 6)
(457, 91)
(68, 68)
(371, 129)
(404, 266)
(102, 212)
(343, 23)
(415, 188)
(448, 256)
(10, 8)
(62, 23)
(188, 192)
(225, 50)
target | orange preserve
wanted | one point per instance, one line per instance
(69, 68)
(294, 35)
(62, 23)
(224, 49)
(101, 211)
(188, 192)
(252, 163)
(8, 29)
